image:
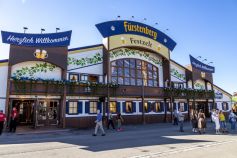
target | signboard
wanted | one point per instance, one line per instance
(118, 27)
(201, 66)
(124, 40)
(41, 40)
(218, 95)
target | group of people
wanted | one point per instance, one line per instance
(198, 120)
(99, 122)
(219, 119)
(199, 123)
(13, 120)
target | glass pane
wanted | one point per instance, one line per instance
(113, 63)
(120, 71)
(133, 81)
(114, 79)
(126, 81)
(155, 83)
(132, 72)
(154, 68)
(144, 65)
(139, 82)
(126, 63)
(154, 74)
(114, 71)
(150, 74)
(126, 72)
(139, 74)
(132, 63)
(138, 64)
(120, 80)
(149, 67)
(150, 83)
(120, 63)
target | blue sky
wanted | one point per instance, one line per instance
(204, 28)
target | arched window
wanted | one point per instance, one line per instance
(133, 72)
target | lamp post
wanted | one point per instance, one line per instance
(57, 29)
(25, 28)
(42, 30)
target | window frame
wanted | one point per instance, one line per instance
(126, 105)
(95, 108)
(115, 107)
(75, 107)
(73, 74)
(140, 67)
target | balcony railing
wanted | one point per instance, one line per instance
(99, 89)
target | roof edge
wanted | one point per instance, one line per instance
(85, 47)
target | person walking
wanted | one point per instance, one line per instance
(232, 119)
(99, 124)
(2, 121)
(119, 121)
(222, 122)
(215, 119)
(181, 121)
(194, 120)
(13, 120)
(201, 122)
(175, 117)
(110, 121)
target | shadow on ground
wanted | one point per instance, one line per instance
(131, 137)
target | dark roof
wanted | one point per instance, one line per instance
(85, 47)
(3, 60)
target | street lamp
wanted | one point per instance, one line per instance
(118, 17)
(57, 29)
(25, 28)
(42, 30)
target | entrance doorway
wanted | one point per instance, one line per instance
(37, 112)
(204, 107)
(47, 112)
(25, 110)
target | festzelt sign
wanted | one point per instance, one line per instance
(118, 27)
(45, 40)
(201, 66)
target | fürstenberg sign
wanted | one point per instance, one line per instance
(46, 40)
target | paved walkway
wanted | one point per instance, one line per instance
(136, 141)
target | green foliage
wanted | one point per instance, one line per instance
(97, 58)
(131, 52)
(30, 71)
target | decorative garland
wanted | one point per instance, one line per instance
(175, 73)
(20, 84)
(189, 93)
(131, 52)
(97, 58)
(39, 67)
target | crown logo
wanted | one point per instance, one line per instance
(40, 54)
